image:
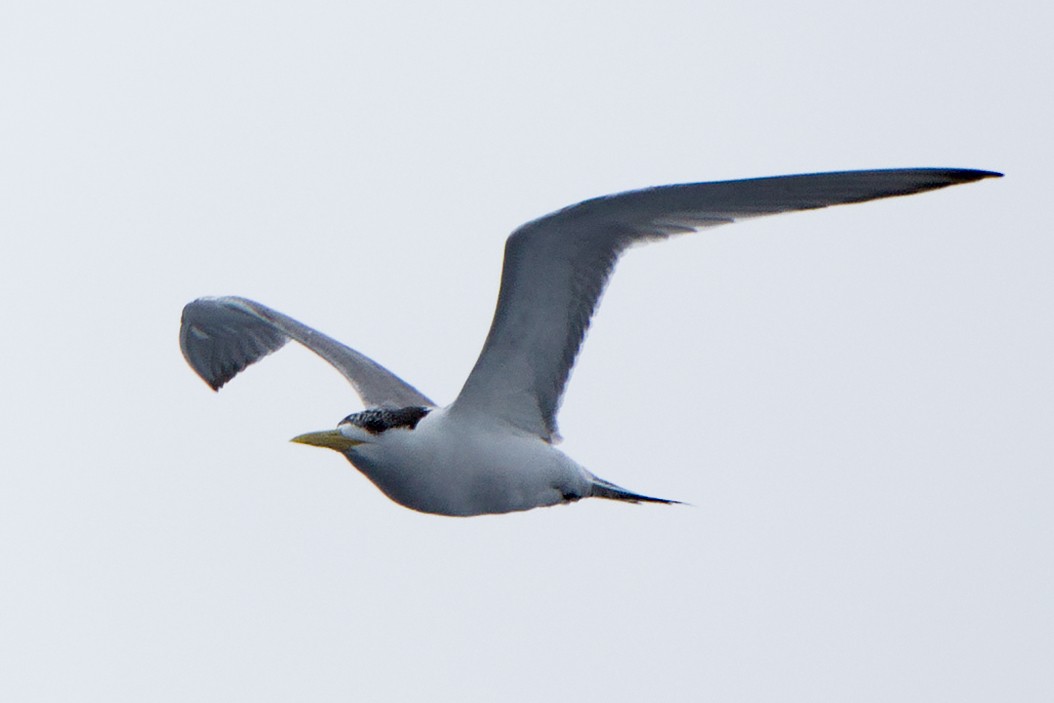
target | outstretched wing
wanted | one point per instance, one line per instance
(221, 336)
(556, 267)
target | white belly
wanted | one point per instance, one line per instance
(453, 466)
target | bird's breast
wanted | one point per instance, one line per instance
(449, 466)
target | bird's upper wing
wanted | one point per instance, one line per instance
(221, 336)
(556, 267)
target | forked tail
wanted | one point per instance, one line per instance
(606, 489)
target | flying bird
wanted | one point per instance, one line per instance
(493, 449)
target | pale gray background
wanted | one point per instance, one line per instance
(857, 402)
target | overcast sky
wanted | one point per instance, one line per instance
(856, 402)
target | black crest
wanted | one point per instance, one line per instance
(377, 420)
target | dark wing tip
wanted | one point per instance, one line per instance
(968, 175)
(219, 339)
(818, 190)
(924, 179)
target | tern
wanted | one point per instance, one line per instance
(493, 449)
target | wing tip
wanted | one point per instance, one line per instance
(212, 345)
(214, 383)
(968, 175)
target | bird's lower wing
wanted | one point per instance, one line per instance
(222, 336)
(556, 267)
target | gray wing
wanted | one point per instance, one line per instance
(221, 336)
(556, 267)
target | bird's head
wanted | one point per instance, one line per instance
(363, 427)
